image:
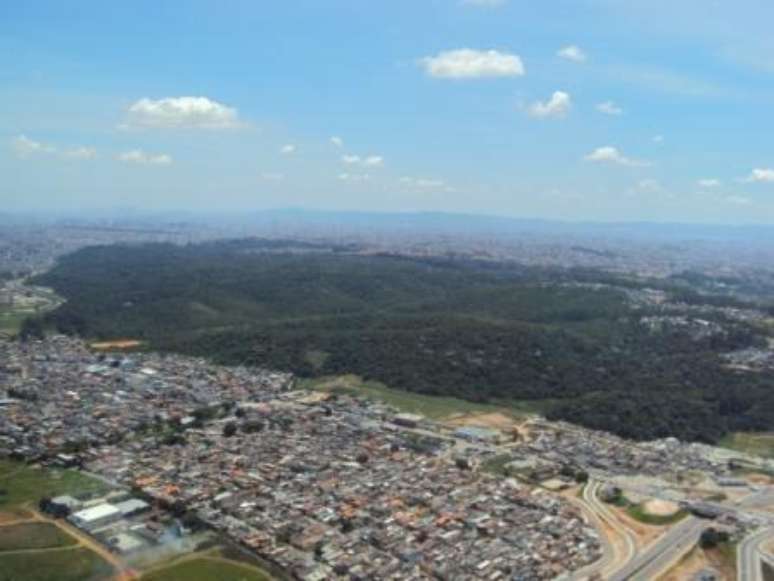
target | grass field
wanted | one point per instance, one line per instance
(10, 321)
(61, 565)
(433, 407)
(638, 513)
(206, 569)
(23, 484)
(758, 444)
(33, 535)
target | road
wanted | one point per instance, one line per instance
(663, 553)
(614, 555)
(749, 555)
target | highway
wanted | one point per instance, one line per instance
(613, 557)
(749, 555)
(663, 553)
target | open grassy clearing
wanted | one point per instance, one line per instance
(639, 513)
(66, 565)
(758, 444)
(24, 484)
(11, 321)
(207, 569)
(433, 407)
(33, 535)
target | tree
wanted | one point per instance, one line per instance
(229, 429)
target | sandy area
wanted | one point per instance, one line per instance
(698, 560)
(119, 344)
(496, 420)
(659, 507)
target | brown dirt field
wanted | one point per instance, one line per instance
(14, 516)
(659, 507)
(697, 560)
(118, 344)
(495, 420)
(756, 478)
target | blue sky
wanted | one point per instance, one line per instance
(570, 109)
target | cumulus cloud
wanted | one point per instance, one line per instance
(483, 3)
(709, 183)
(25, 147)
(288, 149)
(610, 154)
(349, 177)
(138, 156)
(369, 161)
(609, 108)
(181, 113)
(467, 63)
(337, 141)
(80, 153)
(419, 184)
(761, 175)
(558, 105)
(572, 53)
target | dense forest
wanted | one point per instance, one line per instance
(477, 330)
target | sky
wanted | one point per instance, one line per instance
(605, 110)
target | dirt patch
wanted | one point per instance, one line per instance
(118, 344)
(14, 516)
(660, 507)
(700, 560)
(493, 420)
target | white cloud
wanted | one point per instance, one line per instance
(273, 176)
(467, 63)
(141, 157)
(181, 113)
(424, 184)
(25, 147)
(609, 108)
(288, 149)
(761, 175)
(369, 161)
(572, 53)
(337, 141)
(610, 154)
(483, 3)
(658, 139)
(373, 161)
(348, 177)
(558, 105)
(709, 183)
(80, 153)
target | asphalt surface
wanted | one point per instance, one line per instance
(663, 553)
(749, 556)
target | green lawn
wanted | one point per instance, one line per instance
(433, 407)
(11, 321)
(207, 569)
(637, 512)
(22, 483)
(758, 444)
(62, 565)
(33, 535)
